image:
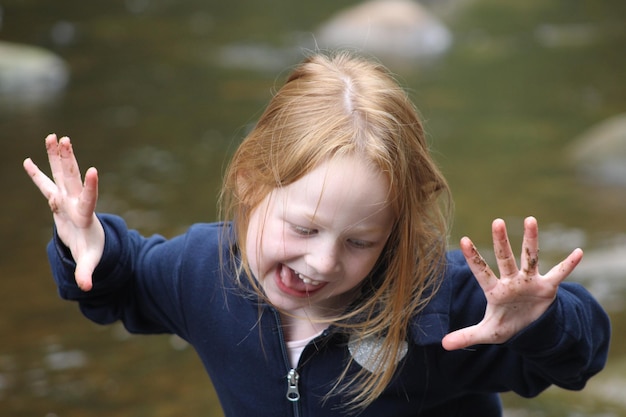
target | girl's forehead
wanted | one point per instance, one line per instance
(350, 174)
(348, 189)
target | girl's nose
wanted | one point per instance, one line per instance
(323, 258)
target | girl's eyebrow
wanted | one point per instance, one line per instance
(366, 229)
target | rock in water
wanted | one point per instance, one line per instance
(30, 75)
(401, 29)
(600, 152)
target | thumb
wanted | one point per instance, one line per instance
(83, 274)
(460, 339)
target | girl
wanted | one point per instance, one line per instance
(329, 290)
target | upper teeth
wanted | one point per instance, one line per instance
(308, 280)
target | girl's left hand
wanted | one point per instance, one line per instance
(518, 296)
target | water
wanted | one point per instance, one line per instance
(160, 91)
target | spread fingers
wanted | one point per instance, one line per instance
(502, 249)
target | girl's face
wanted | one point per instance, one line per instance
(309, 244)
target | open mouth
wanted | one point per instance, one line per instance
(296, 284)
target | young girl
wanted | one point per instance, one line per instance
(329, 290)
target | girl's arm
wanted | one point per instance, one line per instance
(73, 204)
(126, 276)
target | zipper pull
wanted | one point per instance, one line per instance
(292, 386)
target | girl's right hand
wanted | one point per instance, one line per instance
(73, 206)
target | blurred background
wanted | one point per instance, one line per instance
(523, 102)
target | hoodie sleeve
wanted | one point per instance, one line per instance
(569, 343)
(566, 346)
(140, 280)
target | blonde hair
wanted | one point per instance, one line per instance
(333, 105)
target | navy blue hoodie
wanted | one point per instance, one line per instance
(186, 286)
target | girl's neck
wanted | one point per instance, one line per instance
(299, 328)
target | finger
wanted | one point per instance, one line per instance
(54, 159)
(530, 247)
(460, 339)
(69, 165)
(502, 249)
(83, 275)
(41, 180)
(89, 195)
(562, 270)
(479, 267)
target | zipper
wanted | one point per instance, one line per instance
(293, 393)
(292, 385)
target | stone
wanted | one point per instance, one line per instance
(600, 152)
(386, 28)
(30, 75)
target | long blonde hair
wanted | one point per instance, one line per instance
(335, 105)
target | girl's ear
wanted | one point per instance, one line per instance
(432, 187)
(243, 186)
(249, 191)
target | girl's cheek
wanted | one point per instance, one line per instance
(365, 265)
(289, 248)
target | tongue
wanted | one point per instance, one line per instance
(291, 280)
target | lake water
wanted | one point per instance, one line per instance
(159, 93)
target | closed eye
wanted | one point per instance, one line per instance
(303, 231)
(360, 244)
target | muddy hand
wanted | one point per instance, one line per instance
(518, 296)
(73, 206)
